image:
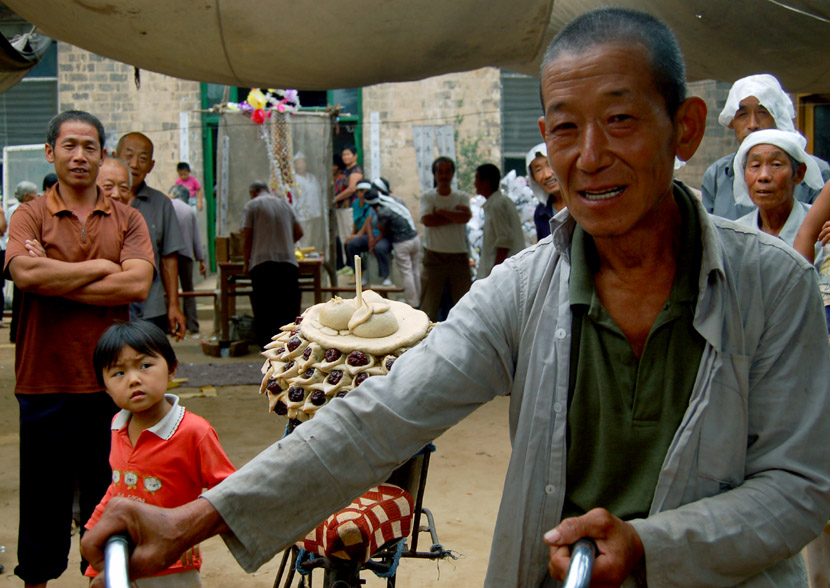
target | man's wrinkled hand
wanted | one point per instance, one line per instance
(155, 531)
(618, 545)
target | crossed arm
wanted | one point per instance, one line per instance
(99, 282)
(439, 217)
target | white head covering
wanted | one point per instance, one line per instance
(792, 143)
(769, 93)
(540, 150)
(381, 185)
(384, 199)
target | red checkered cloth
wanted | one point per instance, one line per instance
(380, 515)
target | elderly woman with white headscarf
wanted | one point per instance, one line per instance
(754, 103)
(772, 163)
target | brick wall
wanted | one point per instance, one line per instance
(106, 89)
(718, 141)
(475, 97)
(470, 101)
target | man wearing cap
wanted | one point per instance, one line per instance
(754, 103)
(397, 225)
(367, 235)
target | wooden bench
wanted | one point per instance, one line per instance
(384, 291)
(198, 293)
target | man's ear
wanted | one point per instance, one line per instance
(152, 165)
(49, 152)
(542, 126)
(690, 125)
(800, 171)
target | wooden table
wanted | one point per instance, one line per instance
(233, 282)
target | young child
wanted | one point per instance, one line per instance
(191, 183)
(161, 454)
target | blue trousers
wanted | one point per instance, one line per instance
(360, 245)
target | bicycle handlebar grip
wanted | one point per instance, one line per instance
(116, 561)
(582, 563)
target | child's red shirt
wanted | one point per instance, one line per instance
(170, 465)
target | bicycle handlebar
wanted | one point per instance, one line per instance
(116, 561)
(582, 563)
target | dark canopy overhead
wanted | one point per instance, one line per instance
(20, 55)
(332, 44)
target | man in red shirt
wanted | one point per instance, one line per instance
(80, 258)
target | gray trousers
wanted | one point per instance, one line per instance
(186, 281)
(442, 270)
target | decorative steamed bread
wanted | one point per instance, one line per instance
(333, 347)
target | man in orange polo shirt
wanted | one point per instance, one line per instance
(80, 258)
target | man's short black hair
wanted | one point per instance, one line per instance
(182, 165)
(441, 159)
(258, 186)
(489, 173)
(49, 180)
(54, 128)
(612, 25)
(143, 336)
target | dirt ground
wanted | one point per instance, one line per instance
(463, 487)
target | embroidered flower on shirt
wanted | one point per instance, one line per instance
(151, 484)
(131, 479)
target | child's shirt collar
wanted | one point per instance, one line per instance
(164, 428)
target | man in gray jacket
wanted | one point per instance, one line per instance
(712, 469)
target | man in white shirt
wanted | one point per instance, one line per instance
(446, 262)
(503, 235)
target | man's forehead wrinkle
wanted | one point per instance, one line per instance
(613, 93)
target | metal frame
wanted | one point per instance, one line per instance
(345, 573)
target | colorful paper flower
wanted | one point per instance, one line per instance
(256, 99)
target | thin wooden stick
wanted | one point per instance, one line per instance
(358, 279)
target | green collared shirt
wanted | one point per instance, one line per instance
(624, 412)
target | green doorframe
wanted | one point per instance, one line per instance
(355, 118)
(210, 121)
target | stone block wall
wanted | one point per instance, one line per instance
(106, 88)
(470, 101)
